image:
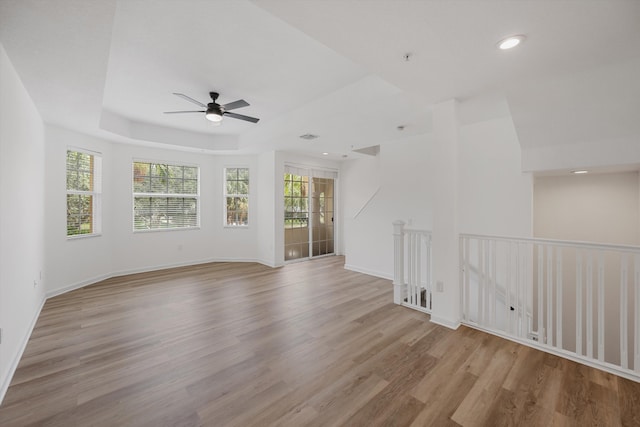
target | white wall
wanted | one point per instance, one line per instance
(379, 190)
(21, 217)
(72, 263)
(493, 196)
(266, 183)
(160, 249)
(601, 208)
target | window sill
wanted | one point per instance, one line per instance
(244, 227)
(83, 236)
(162, 230)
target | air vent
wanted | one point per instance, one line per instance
(369, 151)
(308, 136)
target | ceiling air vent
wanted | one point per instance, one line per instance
(308, 136)
(369, 151)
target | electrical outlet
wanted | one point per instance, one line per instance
(35, 283)
(439, 286)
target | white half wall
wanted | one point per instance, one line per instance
(22, 215)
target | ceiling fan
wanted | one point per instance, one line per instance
(214, 111)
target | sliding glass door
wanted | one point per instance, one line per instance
(296, 216)
(308, 215)
(322, 216)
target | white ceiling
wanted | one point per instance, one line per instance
(334, 68)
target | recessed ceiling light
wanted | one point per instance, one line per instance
(510, 42)
(308, 136)
(579, 172)
(325, 154)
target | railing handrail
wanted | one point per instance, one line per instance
(538, 273)
(417, 230)
(564, 243)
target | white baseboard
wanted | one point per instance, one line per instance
(4, 385)
(147, 269)
(445, 322)
(77, 285)
(367, 271)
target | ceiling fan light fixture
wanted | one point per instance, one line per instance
(214, 114)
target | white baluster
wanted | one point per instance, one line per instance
(518, 295)
(636, 313)
(624, 355)
(601, 307)
(479, 282)
(590, 306)
(579, 303)
(541, 334)
(559, 297)
(466, 279)
(398, 261)
(494, 274)
(550, 295)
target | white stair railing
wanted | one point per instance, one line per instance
(578, 300)
(412, 267)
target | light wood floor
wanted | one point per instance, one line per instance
(309, 344)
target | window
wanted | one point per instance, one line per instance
(83, 193)
(165, 196)
(236, 195)
(296, 201)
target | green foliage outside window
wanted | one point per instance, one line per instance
(80, 189)
(237, 196)
(165, 196)
(296, 201)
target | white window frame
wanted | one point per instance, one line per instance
(95, 193)
(164, 195)
(225, 195)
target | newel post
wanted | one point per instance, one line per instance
(398, 260)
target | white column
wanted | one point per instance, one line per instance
(398, 260)
(446, 268)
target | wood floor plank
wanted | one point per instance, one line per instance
(241, 344)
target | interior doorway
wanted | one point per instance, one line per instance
(309, 220)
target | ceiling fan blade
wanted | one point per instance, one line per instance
(241, 117)
(236, 104)
(178, 112)
(188, 98)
